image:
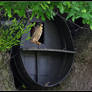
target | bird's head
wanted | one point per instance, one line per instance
(40, 25)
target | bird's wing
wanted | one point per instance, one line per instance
(37, 34)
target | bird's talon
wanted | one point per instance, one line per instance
(38, 43)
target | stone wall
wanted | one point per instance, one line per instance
(6, 76)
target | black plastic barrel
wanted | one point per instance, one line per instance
(48, 64)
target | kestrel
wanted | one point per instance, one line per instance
(37, 34)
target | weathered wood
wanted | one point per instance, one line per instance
(48, 50)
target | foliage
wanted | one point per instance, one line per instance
(39, 9)
(11, 33)
(46, 10)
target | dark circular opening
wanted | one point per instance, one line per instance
(48, 64)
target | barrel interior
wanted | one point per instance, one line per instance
(48, 68)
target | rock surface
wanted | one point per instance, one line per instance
(6, 76)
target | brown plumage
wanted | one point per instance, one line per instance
(37, 34)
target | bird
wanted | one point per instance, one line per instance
(47, 84)
(37, 32)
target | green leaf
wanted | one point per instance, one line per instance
(84, 10)
(2, 3)
(32, 16)
(37, 16)
(61, 10)
(73, 18)
(43, 6)
(91, 27)
(42, 17)
(48, 2)
(9, 12)
(46, 6)
(77, 9)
